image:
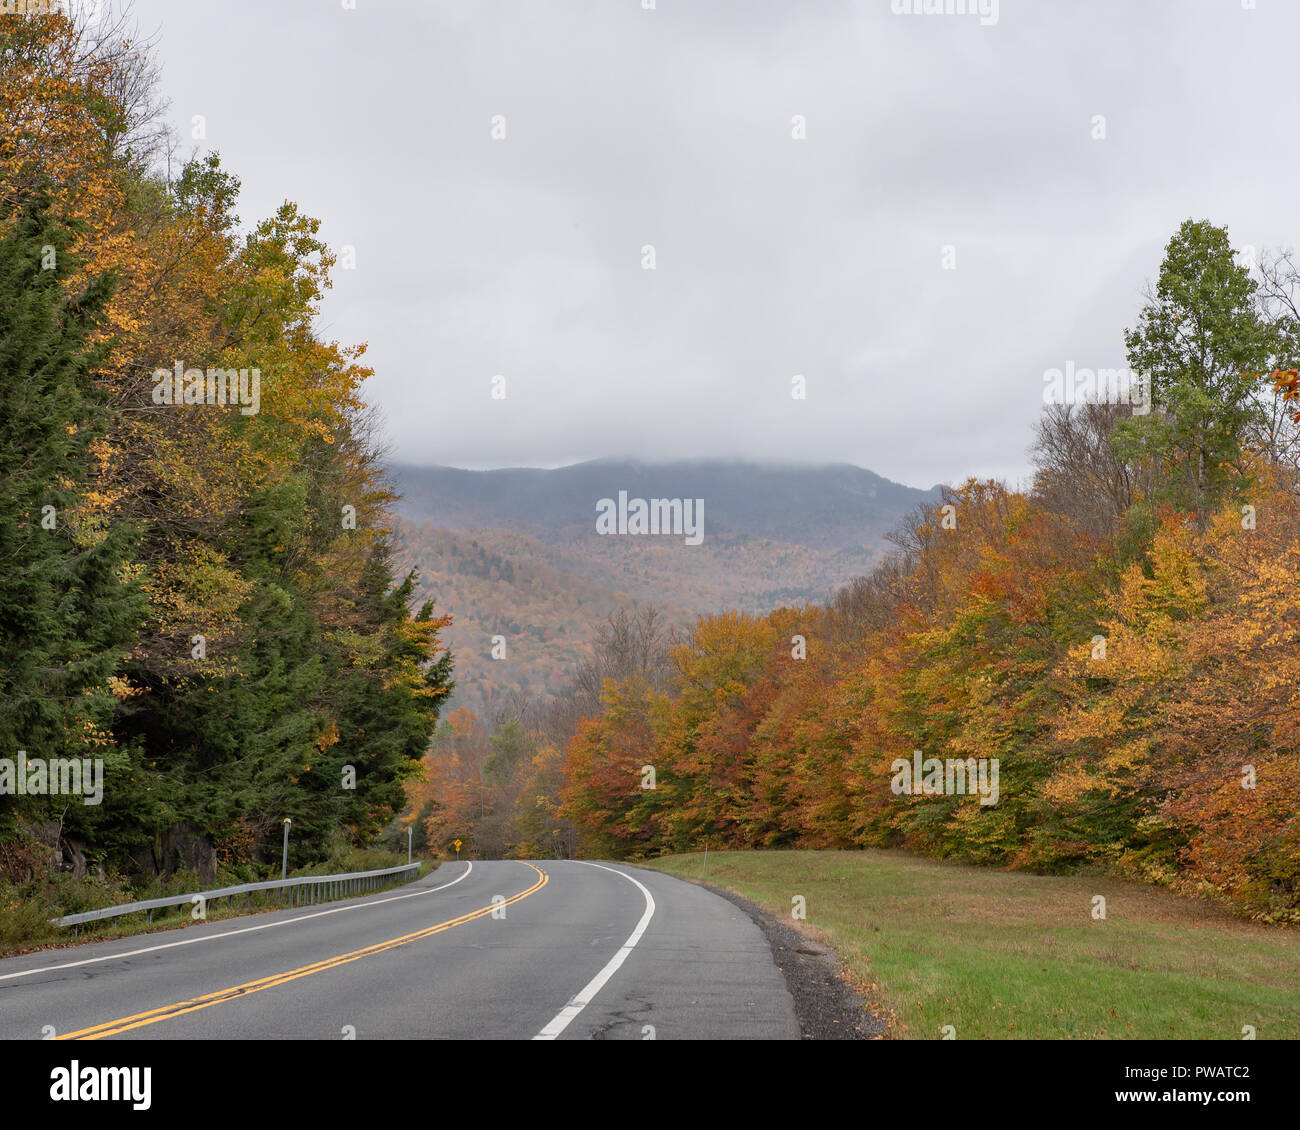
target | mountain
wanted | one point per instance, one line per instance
(516, 552)
(834, 506)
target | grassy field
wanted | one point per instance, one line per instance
(1001, 955)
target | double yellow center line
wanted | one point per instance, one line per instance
(153, 1016)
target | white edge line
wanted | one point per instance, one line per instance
(566, 1015)
(233, 933)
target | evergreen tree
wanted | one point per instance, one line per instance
(1201, 342)
(66, 616)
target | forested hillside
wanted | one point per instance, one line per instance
(516, 554)
(523, 622)
(197, 585)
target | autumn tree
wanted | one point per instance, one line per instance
(273, 664)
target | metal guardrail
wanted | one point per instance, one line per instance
(301, 891)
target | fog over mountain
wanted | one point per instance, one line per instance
(833, 506)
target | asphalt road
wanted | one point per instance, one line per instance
(573, 951)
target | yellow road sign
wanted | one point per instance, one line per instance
(457, 843)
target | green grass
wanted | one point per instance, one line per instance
(1006, 955)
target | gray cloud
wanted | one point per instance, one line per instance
(672, 127)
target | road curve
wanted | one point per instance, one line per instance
(501, 949)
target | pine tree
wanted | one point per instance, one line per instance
(66, 616)
(1201, 342)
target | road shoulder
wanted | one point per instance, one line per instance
(825, 1002)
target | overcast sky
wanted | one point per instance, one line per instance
(774, 256)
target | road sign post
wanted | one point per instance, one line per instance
(284, 866)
